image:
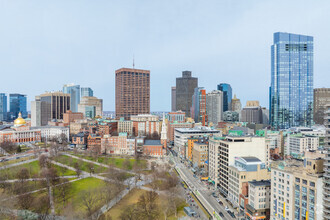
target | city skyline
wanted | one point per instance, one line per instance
(64, 48)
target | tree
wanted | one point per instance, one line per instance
(63, 190)
(129, 213)
(126, 164)
(23, 174)
(9, 147)
(88, 200)
(43, 161)
(42, 206)
(77, 168)
(25, 201)
(90, 167)
(50, 176)
(147, 206)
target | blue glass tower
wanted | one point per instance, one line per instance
(227, 95)
(3, 107)
(291, 90)
(74, 91)
(17, 104)
(86, 91)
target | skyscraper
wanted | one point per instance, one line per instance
(214, 106)
(291, 91)
(321, 99)
(326, 185)
(17, 104)
(49, 106)
(236, 105)
(3, 107)
(173, 97)
(74, 91)
(185, 86)
(91, 104)
(198, 107)
(132, 92)
(227, 95)
(86, 91)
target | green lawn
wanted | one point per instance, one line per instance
(116, 161)
(34, 170)
(74, 200)
(83, 165)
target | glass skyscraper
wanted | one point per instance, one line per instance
(86, 91)
(291, 90)
(17, 104)
(227, 95)
(74, 91)
(3, 107)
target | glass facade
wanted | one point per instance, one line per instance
(3, 107)
(17, 104)
(227, 95)
(291, 91)
(86, 91)
(74, 91)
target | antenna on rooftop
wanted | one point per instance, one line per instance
(133, 62)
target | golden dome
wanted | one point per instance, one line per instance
(19, 120)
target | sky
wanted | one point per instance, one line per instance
(46, 44)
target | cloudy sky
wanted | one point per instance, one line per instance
(45, 44)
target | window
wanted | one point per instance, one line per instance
(312, 184)
(297, 180)
(304, 182)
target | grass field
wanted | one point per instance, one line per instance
(74, 200)
(34, 170)
(116, 161)
(83, 165)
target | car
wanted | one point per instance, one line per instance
(221, 214)
(218, 200)
(221, 203)
(227, 209)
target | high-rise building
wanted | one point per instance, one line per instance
(90, 106)
(49, 106)
(236, 105)
(173, 97)
(252, 113)
(74, 91)
(214, 106)
(3, 107)
(326, 189)
(198, 107)
(321, 99)
(132, 92)
(17, 104)
(185, 86)
(86, 91)
(291, 90)
(227, 95)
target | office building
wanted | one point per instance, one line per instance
(49, 106)
(146, 125)
(244, 169)
(321, 99)
(265, 116)
(259, 200)
(91, 106)
(298, 144)
(17, 104)
(74, 91)
(236, 105)
(198, 107)
(185, 86)
(222, 153)
(227, 95)
(326, 189)
(200, 153)
(70, 116)
(252, 113)
(214, 106)
(297, 189)
(125, 126)
(86, 91)
(178, 116)
(291, 90)
(172, 126)
(231, 116)
(3, 107)
(132, 92)
(173, 98)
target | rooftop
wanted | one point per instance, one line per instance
(152, 142)
(197, 129)
(260, 183)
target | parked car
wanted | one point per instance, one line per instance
(218, 200)
(221, 214)
(220, 203)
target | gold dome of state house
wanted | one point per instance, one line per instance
(19, 120)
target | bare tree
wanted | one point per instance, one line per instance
(43, 161)
(63, 190)
(77, 169)
(25, 201)
(42, 206)
(126, 164)
(89, 200)
(91, 168)
(129, 213)
(147, 206)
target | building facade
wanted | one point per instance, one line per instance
(291, 90)
(178, 116)
(185, 86)
(236, 105)
(3, 107)
(17, 104)
(227, 95)
(214, 109)
(86, 91)
(173, 98)
(91, 106)
(326, 189)
(144, 125)
(321, 99)
(74, 91)
(132, 92)
(198, 108)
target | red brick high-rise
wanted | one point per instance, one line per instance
(132, 92)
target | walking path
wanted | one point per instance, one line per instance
(17, 164)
